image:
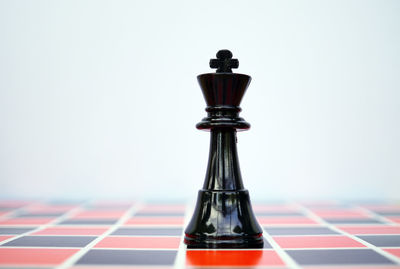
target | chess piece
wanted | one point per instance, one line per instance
(223, 217)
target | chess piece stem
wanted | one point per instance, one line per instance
(223, 172)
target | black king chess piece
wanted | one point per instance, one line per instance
(223, 217)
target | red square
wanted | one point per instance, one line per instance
(274, 208)
(179, 208)
(150, 242)
(233, 258)
(26, 221)
(31, 256)
(394, 251)
(2, 213)
(167, 220)
(285, 220)
(99, 214)
(371, 229)
(45, 208)
(71, 231)
(5, 237)
(316, 242)
(394, 219)
(339, 213)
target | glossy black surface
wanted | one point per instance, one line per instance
(223, 171)
(224, 62)
(223, 89)
(223, 217)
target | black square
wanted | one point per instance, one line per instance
(15, 230)
(266, 243)
(388, 213)
(299, 230)
(382, 240)
(9, 207)
(39, 215)
(128, 257)
(353, 221)
(51, 241)
(148, 231)
(338, 256)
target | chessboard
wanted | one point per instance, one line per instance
(112, 234)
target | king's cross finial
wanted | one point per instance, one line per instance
(224, 62)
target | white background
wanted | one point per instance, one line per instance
(99, 99)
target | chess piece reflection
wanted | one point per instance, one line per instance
(223, 217)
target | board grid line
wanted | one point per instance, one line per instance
(282, 250)
(333, 227)
(74, 258)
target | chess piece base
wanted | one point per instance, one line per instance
(223, 219)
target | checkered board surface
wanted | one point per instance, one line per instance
(149, 235)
